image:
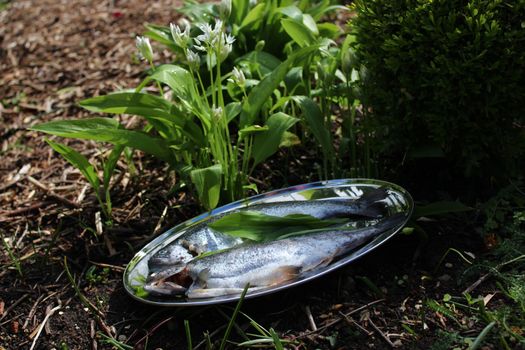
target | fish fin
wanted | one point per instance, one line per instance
(201, 293)
(204, 275)
(373, 196)
(165, 288)
(370, 203)
(373, 210)
(283, 274)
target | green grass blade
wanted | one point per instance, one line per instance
(234, 316)
(276, 341)
(15, 260)
(114, 343)
(479, 339)
(434, 305)
(188, 334)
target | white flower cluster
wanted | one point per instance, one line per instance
(213, 41)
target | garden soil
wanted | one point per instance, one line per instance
(61, 269)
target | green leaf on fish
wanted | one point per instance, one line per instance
(260, 227)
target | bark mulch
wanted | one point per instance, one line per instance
(60, 276)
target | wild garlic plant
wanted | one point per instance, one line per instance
(204, 133)
(213, 46)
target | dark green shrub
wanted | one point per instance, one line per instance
(446, 76)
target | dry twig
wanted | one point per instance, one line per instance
(42, 325)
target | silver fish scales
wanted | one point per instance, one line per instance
(200, 238)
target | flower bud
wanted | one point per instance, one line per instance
(260, 45)
(238, 77)
(225, 8)
(216, 113)
(194, 60)
(181, 38)
(144, 47)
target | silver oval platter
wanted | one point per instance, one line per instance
(387, 209)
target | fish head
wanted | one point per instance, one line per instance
(169, 281)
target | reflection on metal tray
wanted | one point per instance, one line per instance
(186, 265)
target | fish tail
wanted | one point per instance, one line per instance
(372, 197)
(370, 205)
(392, 221)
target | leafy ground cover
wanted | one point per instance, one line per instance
(60, 281)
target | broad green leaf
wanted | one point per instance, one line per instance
(289, 139)
(315, 121)
(291, 11)
(309, 23)
(329, 30)
(294, 79)
(106, 130)
(78, 161)
(181, 82)
(298, 32)
(254, 18)
(136, 103)
(207, 181)
(161, 113)
(267, 143)
(239, 10)
(198, 12)
(440, 208)
(162, 35)
(262, 92)
(318, 11)
(233, 109)
(262, 228)
(67, 128)
(252, 187)
(347, 63)
(265, 61)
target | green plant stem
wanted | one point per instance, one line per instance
(161, 91)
